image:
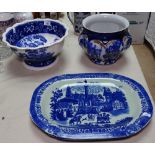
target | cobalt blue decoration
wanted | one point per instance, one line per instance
(91, 106)
(37, 41)
(32, 41)
(105, 37)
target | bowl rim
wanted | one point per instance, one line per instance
(105, 15)
(34, 48)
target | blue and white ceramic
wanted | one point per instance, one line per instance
(91, 106)
(37, 41)
(105, 37)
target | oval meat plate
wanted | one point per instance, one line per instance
(91, 106)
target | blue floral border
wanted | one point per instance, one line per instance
(85, 134)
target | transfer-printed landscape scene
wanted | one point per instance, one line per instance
(89, 104)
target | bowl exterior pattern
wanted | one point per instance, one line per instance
(40, 57)
(104, 48)
(26, 41)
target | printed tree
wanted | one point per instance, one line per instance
(54, 99)
(120, 96)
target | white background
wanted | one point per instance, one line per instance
(72, 6)
(77, 5)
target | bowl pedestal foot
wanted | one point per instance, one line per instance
(40, 65)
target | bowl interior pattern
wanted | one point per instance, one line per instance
(38, 42)
(36, 33)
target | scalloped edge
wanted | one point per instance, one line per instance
(30, 48)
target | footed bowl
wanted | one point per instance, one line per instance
(104, 37)
(38, 42)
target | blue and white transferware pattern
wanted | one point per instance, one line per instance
(105, 46)
(37, 41)
(91, 106)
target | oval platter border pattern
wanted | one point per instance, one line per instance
(92, 134)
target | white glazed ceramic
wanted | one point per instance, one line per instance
(105, 23)
(105, 37)
(37, 41)
(91, 106)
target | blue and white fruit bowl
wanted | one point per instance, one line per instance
(104, 37)
(38, 42)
